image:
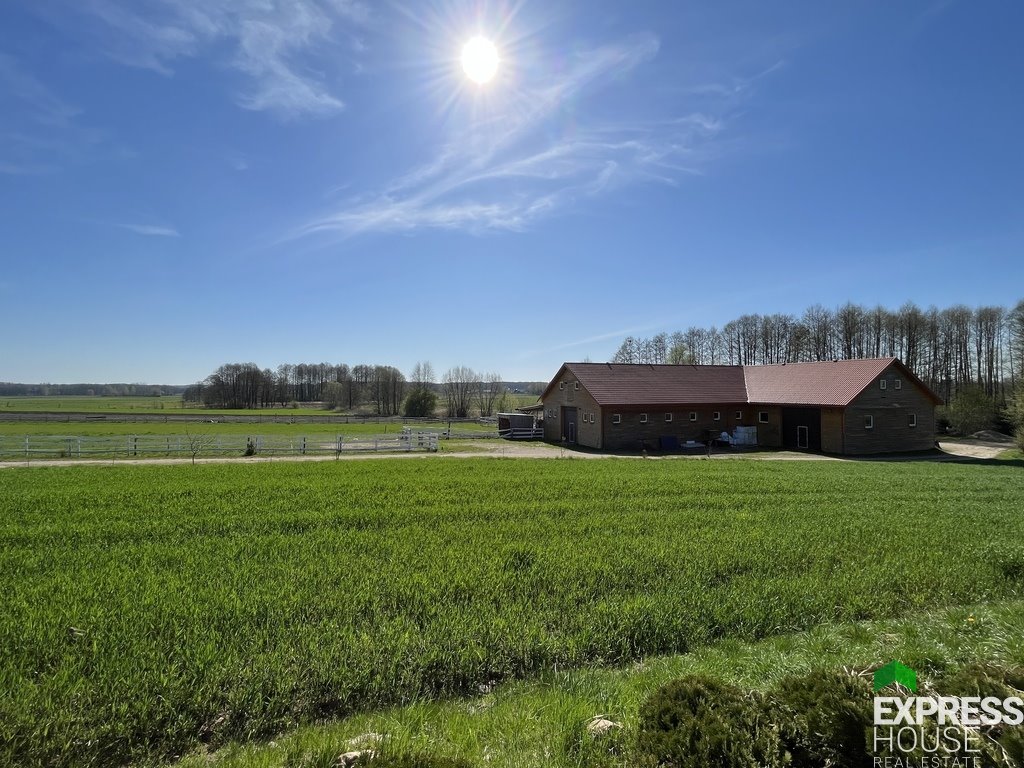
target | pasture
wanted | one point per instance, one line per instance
(153, 609)
(166, 404)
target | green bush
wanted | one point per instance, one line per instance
(696, 721)
(982, 680)
(420, 402)
(972, 410)
(825, 718)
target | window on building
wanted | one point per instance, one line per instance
(591, 417)
(693, 415)
(668, 417)
(912, 420)
(575, 385)
(898, 384)
(717, 416)
(739, 415)
(643, 418)
(869, 422)
(762, 416)
(616, 418)
(561, 385)
(881, 383)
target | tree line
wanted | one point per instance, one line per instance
(10, 389)
(383, 389)
(956, 351)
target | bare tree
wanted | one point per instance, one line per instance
(458, 384)
(488, 389)
(197, 442)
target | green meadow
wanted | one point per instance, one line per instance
(152, 611)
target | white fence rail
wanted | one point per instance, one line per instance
(154, 446)
(522, 433)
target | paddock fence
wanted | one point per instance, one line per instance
(27, 447)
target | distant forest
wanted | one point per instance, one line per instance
(957, 351)
(9, 389)
(382, 389)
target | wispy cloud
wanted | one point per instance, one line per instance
(506, 172)
(271, 42)
(150, 230)
(35, 123)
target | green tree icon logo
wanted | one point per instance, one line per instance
(894, 672)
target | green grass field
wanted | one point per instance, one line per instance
(537, 723)
(131, 405)
(153, 609)
(96, 429)
(168, 404)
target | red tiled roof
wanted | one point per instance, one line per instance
(834, 383)
(829, 384)
(622, 384)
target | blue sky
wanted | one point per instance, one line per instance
(186, 183)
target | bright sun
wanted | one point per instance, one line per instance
(480, 59)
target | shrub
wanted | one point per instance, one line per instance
(825, 718)
(420, 402)
(982, 680)
(971, 410)
(696, 721)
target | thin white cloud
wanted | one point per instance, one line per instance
(271, 43)
(150, 230)
(505, 173)
(37, 127)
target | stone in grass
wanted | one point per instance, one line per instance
(600, 725)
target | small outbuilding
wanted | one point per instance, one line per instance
(849, 407)
(520, 426)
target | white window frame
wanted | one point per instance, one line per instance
(575, 385)
(911, 420)
(739, 415)
(898, 384)
(881, 383)
(693, 415)
(616, 418)
(716, 416)
(668, 417)
(869, 421)
(762, 417)
(561, 385)
(643, 418)
(591, 417)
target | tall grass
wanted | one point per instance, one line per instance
(149, 609)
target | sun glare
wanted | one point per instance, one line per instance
(480, 60)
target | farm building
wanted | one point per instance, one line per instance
(844, 407)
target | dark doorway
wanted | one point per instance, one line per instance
(801, 428)
(569, 424)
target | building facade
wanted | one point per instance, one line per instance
(850, 407)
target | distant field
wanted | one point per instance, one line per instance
(149, 609)
(263, 428)
(137, 405)
(164, 405)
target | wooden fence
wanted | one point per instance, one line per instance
(154, 446)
